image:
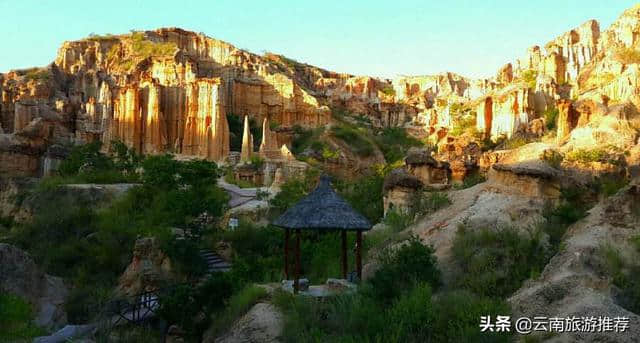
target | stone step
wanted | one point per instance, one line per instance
(219, 266)
(213, 259)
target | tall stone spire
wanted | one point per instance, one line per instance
(247, 142)
(269, 146)
(217, 131)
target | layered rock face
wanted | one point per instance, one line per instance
(504, 113)
(20, 275)
(149, 268)
(157, 91)
(583, 63)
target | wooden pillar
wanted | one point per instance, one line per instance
(359, 254)
(344, 254)
(286, 253)
(297, 276)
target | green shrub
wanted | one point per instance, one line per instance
(236, 306)
(388, 90)
(550, 117)
(587, 156)
(184, 254)
(230, 178)
(458, 315)
(623, 274)
(36, 74)
(609, 185)
(397, 221)
(329, 154)
(514, 143)
(292, 191)
(97, 37)
(471, 180)
(91, 247)
(16, 319)
(144, 48)
(364, 193)
(356, 140)
(400, 270)
(627, 55)
(495, 262)
(426, 203)
(529, 77)
(553, 158)
(182, 304)
(258, 252)
(87, 164)
(394, 142)
(85, 156)
(463, 124)
(410, 313)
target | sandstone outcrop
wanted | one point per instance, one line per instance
(532, 179)
(462, 154)
(427, 169)
(400, 189)
(148, 270)
(263, 323)
(574, 282)
(505, 112)
(20, 275)
(269, 145)
(247, 142)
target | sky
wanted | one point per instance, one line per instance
(378, 38)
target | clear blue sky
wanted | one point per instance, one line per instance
(382, 38)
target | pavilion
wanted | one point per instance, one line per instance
(322, 210)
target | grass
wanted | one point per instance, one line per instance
(99, 38)
(237, 305)
(587, 155)
(394, 142)
(305, 138)
(553, 158)
(397, 305)
(356, 140)
(463, 124)
(622, 271)
(627, 55)
(495, 262)
(599, 80)
(550, 116)
(229, 178)
(470, 181)
(610, 185)
(144, 48)
(91, 247)
(529, 77)
(36, 74)
(388, 90)
(16, 319)
(141, 49)
(515, 142)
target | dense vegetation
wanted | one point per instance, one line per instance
(495, 262)
(37, 74)
(91, 246)
(16, 319)
(394, 142)
(529, 77)
(396, 305)
(356, 140)
(623, 273)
